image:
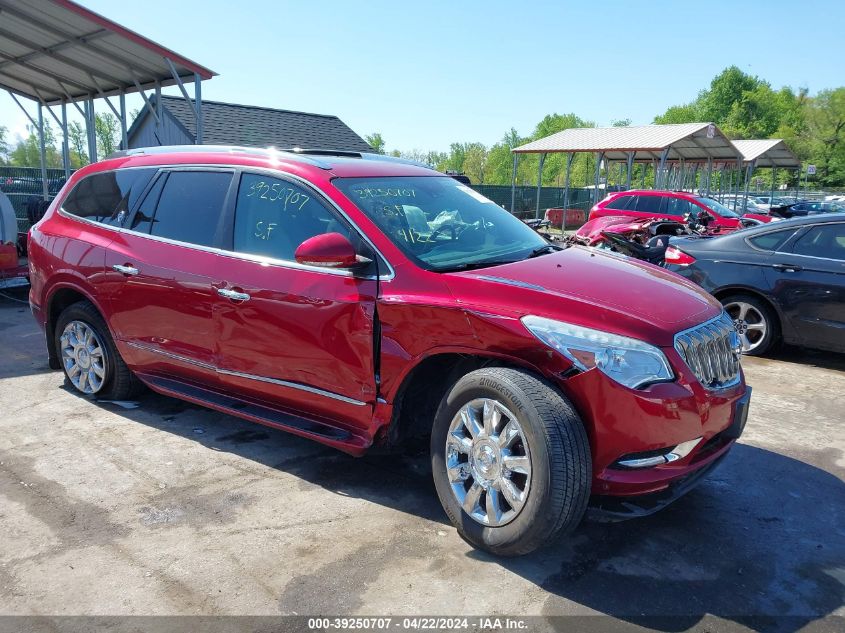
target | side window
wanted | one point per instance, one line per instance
(143, 217)
(651, 204)
(773, 240)
(274, 216)
(619, 203)
(102, 197)
(189, 207)
(679, 207)
(825, 240)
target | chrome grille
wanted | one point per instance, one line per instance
(711, 350)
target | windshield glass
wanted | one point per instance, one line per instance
(440, 223)
(718, 207)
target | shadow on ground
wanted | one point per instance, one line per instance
(762, 537)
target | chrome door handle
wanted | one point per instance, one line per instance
(233, 294)
(786, 268)
(126, 270)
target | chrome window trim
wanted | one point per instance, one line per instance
(261, 259)
(227, 372)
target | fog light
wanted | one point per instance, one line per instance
(656, 458)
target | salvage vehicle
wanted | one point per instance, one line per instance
(361, 302)
(778, 282)
(671, 205)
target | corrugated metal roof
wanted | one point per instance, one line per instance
(54, 50)
(254, 126)
(771, 152)
(690, 141)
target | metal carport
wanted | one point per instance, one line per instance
(680, 144)
(56, 52)
(772, 153)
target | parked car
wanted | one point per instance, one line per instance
(360, 302)
(783, 281)
(801, 209)
(669, 205)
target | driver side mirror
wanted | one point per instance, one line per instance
(329, 250)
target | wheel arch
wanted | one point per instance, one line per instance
(424, 385)
(62, 296)
(727, 291)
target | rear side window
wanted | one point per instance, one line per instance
(620, 203)
(651, 204)
(273, 217)
(679, 207)
(826, 241)
(108, 196)
(188, 208)
(771, 241)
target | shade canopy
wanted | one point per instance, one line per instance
(56, 50)
(768, 153)
(695, 142)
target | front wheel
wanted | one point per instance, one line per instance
(511, 461)
(89, 357)
(755, 323)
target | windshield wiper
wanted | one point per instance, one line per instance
(472, 265)
(542, 250)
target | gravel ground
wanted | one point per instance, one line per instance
(169, 508)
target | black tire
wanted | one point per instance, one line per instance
(561, 465)
(771, 338)
(119, 382)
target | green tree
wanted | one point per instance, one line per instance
(475, 162)
(107, 131)
(4, 146)
(78, 143)
(27, 151)
(824, 137)
(375, 141)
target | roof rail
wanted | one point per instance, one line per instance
(267, 152)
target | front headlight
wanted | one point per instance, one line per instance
(628, 361)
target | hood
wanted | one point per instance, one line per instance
(595, 289)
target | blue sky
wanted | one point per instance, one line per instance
(425, 74)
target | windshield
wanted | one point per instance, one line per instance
(718, 207)
(442, 224)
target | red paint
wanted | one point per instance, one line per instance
(330, 249)
(601, 209)
(317, 328)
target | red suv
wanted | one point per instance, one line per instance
(671, 205)
(361, 301)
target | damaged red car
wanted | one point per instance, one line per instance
(361, 301)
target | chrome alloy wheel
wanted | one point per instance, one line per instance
(83, 357)
(749, 323)
(488, 462)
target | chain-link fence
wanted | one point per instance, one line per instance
(526, 198)
(22, 183)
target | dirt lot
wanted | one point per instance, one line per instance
(172, 509)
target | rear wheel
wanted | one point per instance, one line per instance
(511, 461)
(755, 323)
(88, 355)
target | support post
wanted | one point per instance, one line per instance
(599, 158)
(65, 142)
(45, 187)
(709, 175)
(539, 184)
(569, 158)
(660, 176)
(124, 138)
(513, 183)
(772, 192)
(198, 106)
(630, 164)
(749, 169)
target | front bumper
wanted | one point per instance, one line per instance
(623, 422)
